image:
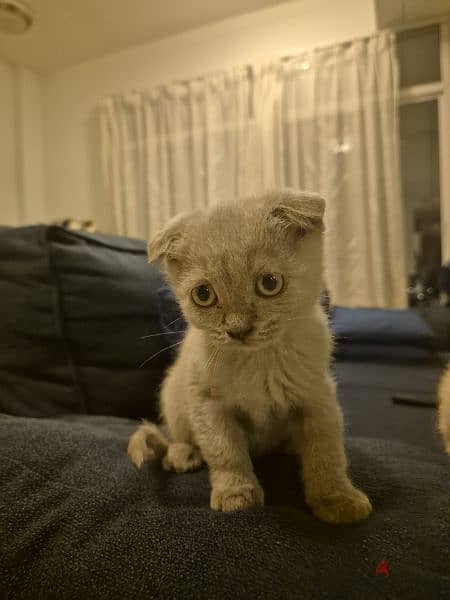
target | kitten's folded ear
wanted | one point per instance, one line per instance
(167, 244)
(299, 211)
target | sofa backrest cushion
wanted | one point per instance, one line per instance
(73, 307)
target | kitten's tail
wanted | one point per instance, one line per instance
(444, 409)
(146, 441)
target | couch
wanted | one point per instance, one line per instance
(78, 520)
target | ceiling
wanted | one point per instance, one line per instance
(67, 32)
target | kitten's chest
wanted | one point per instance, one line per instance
(265, 388)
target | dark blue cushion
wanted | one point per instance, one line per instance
(36, 376)
(383, 353)
(79, 521)
(72, 309)
(371, 326)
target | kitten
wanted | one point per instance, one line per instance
(252, 374)
(444, 409)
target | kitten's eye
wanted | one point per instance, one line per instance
(204, 295)
(269, 284)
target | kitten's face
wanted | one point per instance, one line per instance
(246, 296)
(241, 275)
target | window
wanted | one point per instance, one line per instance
(419, 137)
(424, 94)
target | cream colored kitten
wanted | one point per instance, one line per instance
(252, 374)
(444, 409)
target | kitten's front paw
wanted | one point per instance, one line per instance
(344, 507)
(182, 457)
(236, 497)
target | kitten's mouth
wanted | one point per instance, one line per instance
(254, 341)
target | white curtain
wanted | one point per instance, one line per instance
(180, 147)
(325, 121)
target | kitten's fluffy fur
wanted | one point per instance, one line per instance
(225, 399)
(444, 409)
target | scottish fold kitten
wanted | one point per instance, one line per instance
(252, 373)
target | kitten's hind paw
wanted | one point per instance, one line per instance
(182, 457)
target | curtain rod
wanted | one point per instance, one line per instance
(417, 24)
(329, 46)
(284, 58)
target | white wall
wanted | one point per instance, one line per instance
(9, 202)
(72, 175)
(31, 145)
(21, 146)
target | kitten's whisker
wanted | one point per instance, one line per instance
(211, 358)
(298, 319)
(216, 363)
(174, 321)
(215, 355)
(159, 352)
(208, 360)
(168, 325)
(158, 334)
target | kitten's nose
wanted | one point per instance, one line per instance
(239, 333)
